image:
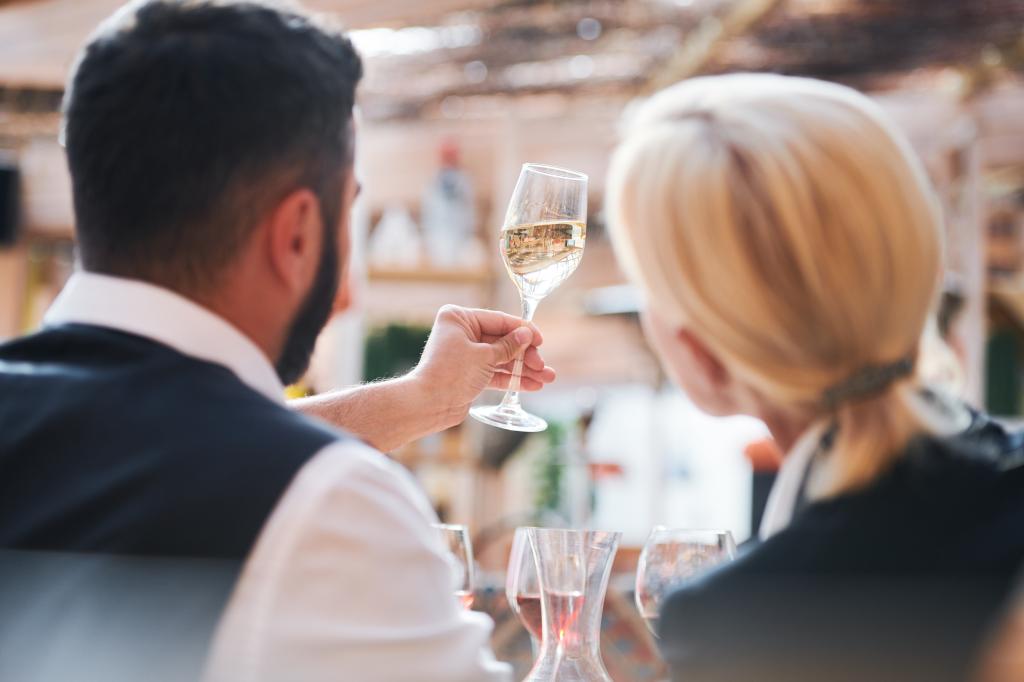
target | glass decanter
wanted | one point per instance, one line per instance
(573, 567)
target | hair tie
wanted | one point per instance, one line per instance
(866, 382)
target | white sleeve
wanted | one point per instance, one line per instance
(348, 581)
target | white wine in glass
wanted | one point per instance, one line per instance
(541, 242)
(541, 256)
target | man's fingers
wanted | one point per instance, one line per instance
(544, 376)
(511, 345)
(531, 359)
(494, 325)
(501, 382)
(491, 338)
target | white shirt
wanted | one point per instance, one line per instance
(347, 580)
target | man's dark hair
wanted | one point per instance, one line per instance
(185, 121)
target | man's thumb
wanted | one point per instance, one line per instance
(509, 346)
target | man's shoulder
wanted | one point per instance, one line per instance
(354, 474)
(161, 397)
(214, 404)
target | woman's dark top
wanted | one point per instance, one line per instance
(902, 580)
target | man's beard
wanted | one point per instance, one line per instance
(316, 309)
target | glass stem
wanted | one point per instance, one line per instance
(511, 399)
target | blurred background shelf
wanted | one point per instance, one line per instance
(430, 275)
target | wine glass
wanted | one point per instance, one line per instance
(541, 243)
(522, 586)
(456, 539)
(670, 558)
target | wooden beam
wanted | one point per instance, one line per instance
(373, 13)
(39, 39)
(700, 46)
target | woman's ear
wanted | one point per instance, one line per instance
(711, 368)
(692, 365)
(704, 377)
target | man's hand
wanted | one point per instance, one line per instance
(470, 350)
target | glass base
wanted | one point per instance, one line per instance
(510, 418)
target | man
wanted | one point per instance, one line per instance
(210, 146)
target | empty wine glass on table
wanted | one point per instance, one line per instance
(541, 242)
(456, 539)
(522, 587)
(672, 557)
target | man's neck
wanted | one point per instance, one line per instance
(230, 301)
(237, 308)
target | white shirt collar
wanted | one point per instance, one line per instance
(942, 416)
(165, 317)
(778, 510)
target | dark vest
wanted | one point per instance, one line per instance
(113, 443)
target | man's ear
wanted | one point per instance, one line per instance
(294, 235)
(712, 369)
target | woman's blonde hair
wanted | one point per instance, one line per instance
(791, 228)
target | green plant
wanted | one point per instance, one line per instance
(393, 350)
(550, 470)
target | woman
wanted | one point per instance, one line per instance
(789, 248)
